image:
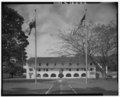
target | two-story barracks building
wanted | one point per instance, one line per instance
(56, 67)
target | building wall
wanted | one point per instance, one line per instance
(30, 74)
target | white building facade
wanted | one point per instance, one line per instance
(59, 67)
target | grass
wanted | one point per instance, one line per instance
(93, 86)
(23, 86)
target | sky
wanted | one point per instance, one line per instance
(51, 18)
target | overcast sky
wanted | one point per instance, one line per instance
(52, 17)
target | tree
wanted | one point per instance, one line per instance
(101, 40)
(107, 42)
(14, 39)
(74, 41)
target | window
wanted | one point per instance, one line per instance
(47, 64)
(62, 69)
(90, 63)
(91, 69)
(70, 63)
(76, 75)
(46, 69)
(55, 64)
(68, 75)
(70, 69)
(30, 69)
(39, 64)
(39, 69)
(77, 69)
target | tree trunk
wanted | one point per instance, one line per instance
(101, 70)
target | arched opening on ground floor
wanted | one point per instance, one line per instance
(38, 75)
(53, 75)
(30, 75)
(97, 75)
(45, 75)
(60, 75)
(68, 75)
(76, 75)
(83, 75)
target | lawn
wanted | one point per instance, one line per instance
(23, 86)
(95, 86)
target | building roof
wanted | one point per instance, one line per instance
(80, 60)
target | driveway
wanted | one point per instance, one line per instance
(61, 87)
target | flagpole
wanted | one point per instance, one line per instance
(35, 52)
(86, 52)
(86, 58)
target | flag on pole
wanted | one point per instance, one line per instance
(32, 24)
(82, 20)
(80, 23)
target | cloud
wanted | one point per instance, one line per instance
(102, 13)
(54, 17)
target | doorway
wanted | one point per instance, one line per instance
(60, 75)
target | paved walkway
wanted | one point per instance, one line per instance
(61, 87)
